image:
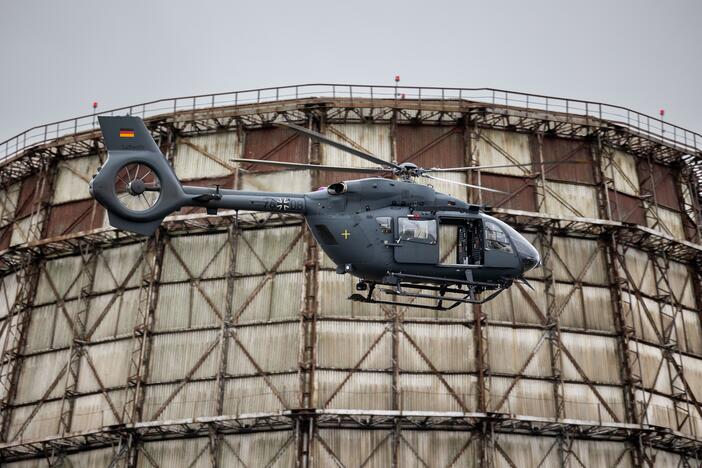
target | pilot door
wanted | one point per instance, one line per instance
(416, 241)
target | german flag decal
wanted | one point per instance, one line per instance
(126, 133)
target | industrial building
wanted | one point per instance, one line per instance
(227, 340)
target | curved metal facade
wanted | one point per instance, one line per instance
(227, 340)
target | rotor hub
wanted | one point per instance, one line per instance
(136, 187)
(407, 170)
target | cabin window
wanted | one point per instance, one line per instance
(495, 238)
(385, 223)
(417, 230)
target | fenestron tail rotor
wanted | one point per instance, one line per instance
(137, 187)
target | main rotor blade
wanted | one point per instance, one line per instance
(312, 166)
(349, 149)
(464, 184)
(497, 166)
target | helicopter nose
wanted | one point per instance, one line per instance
(530, 257)
(530, 262)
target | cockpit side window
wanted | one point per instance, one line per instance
(417, 230)
(495, 238)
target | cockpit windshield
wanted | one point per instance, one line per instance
(496, 238)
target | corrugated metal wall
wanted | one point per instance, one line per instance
(253, 281)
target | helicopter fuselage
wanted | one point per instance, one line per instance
(375, 227)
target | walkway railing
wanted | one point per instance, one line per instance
(681, 138)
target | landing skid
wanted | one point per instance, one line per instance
(433, 292)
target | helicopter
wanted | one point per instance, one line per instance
(385, 232)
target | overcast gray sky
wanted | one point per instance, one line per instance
(56, 57)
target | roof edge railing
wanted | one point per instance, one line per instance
(681, 138)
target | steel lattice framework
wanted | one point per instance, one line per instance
(306, 419)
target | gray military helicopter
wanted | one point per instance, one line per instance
(384, 231)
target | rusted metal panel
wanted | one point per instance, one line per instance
(669, 222)
(448, 188)
(194, 351)
(579, 259)
(5, 237)
(687, 330)
(37, 372)
(362, 390)
(344, 345)
(260, 250)
(562, 149)
(196, 257)
(113, 315)
(246, 395)
(623, 173)
(333, 286)
(271, 347)
(97, 457)
(571, 200)
(118, 267)
(497, 147)
(276, 144)
(510, 349)
(178, 401)
(595, 357)
(521, 193)
(49, 327)
(431, 340)
(525, 450)
(588, 307)
(288, 181)
(428, 392)
(206, 156)
(436, 448)
(111, 372)
(626, 208)
(27, 229)
(91, 412)
(430, 146)
(374, 139)
(190, 452)
(518, 305)
(355, 448)
(258, 448)
(190, 305)
(73, 178)
(58, 280)
(43, 424)
(593, 453)
(74, 217)
(528, 397)
(32, 194)
(661, 179)
(654, 375)
(9, 199)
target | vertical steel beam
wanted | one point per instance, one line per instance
(395, 316)
(629, 365)
(89, 257)
(233, 234)
(305, 429)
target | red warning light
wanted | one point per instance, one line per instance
(397, 78)
(95, 104)
(661, 112)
